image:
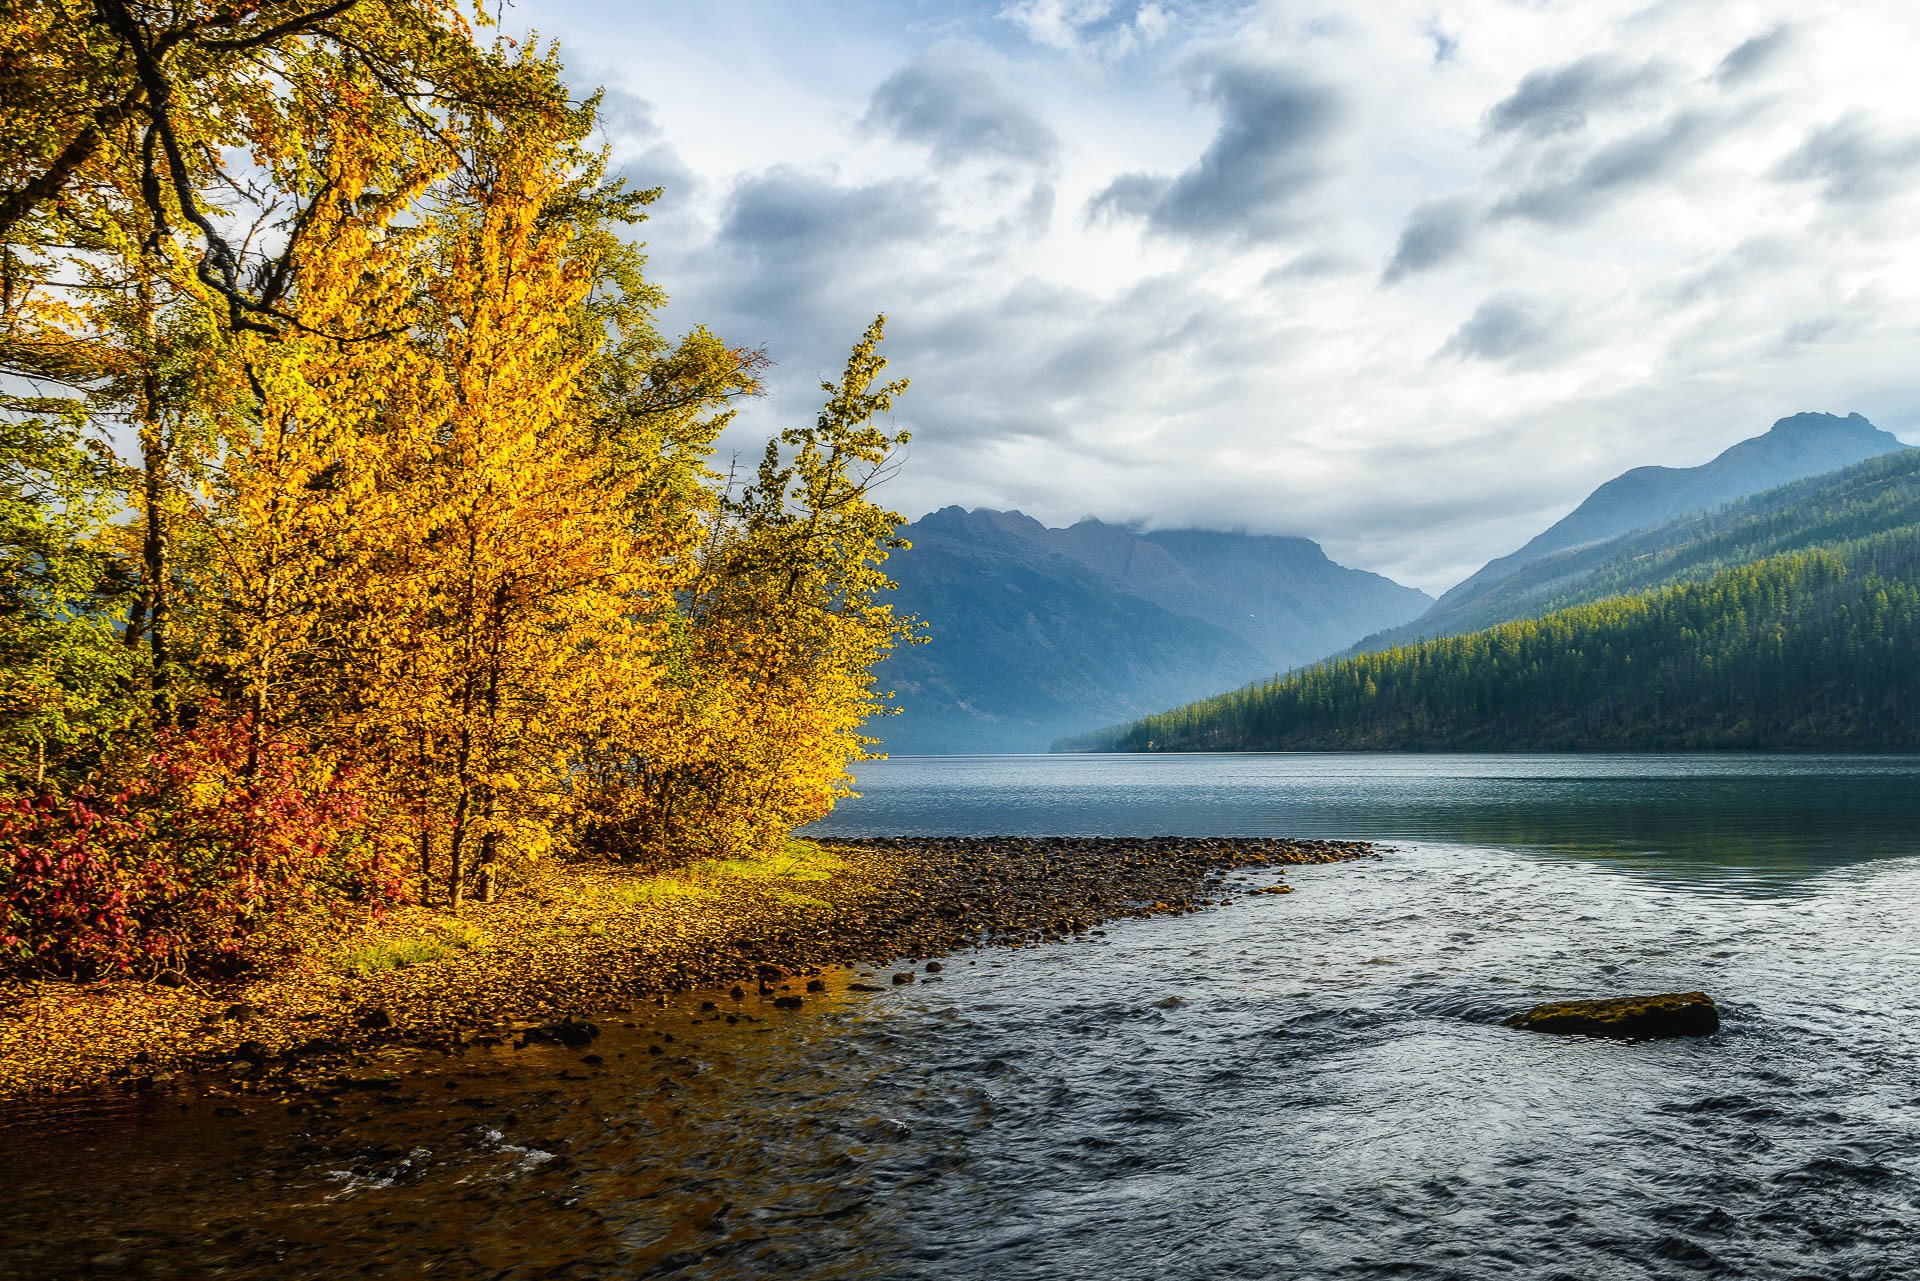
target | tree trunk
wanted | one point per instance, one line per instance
(154, 461)
(426, 862)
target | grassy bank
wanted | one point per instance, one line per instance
(583, 938)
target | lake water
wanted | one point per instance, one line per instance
(1314, 1085)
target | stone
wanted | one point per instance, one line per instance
(904, 976)
(1626, 1018)
(574, 1035)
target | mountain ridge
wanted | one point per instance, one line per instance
(1796, 448)
(1038, 631)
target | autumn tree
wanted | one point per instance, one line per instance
(348, 483)
(767, 672)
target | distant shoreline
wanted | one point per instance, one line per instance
(585, 938)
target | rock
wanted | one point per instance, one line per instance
(787, 1003)
(1274, 889)
(934, 967)
(574, 1035)
(816, 985)
(1629, 1018)
(864, 987)
(242, 1013)
(904, 976)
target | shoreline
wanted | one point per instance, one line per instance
(581, 939)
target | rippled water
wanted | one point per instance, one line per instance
(1313, 1085)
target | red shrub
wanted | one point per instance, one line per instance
(191, 865)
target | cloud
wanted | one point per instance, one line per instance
(1559, 100)
(798, 217)
(1436, 232)
(1101, 28)
(1854, 162)
(1499, 329)
(950, 102)
(1753, 56)
(1636, 160)
(1315, 264)
(1621, 260)
(1270, 154)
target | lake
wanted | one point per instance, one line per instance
(1314, 1085)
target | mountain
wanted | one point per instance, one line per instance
(1805, 445)
(1869, 498)
(1805, 651)
(1037, 632)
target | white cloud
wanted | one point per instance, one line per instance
(1408, 285)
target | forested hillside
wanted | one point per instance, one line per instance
(1877, 496)
(1793, 448)
(1807, 650)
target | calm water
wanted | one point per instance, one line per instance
(1313, 1085)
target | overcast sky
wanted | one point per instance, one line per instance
(1409, 279)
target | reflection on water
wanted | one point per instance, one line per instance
(1743, 823)
(1308, 1086)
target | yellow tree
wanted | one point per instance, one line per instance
(767, 677)
(446, 581)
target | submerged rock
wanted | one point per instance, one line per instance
(1630, 1018)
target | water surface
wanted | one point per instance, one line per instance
(1709, 821)
(1313, 1085)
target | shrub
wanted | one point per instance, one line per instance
(220, 844)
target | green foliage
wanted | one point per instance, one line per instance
(65, 678)
(1808, 650)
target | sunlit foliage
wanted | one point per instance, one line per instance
(339, 431)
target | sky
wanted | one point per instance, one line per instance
(1409, 279)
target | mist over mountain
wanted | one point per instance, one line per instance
(1038, 632)
(1793, 449)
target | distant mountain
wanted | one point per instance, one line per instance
(1038, 632)
(1869, 498)
(1810, 651)
(1795, 448)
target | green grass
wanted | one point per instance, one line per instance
(797, 863)
(381, 955)
(656, 890)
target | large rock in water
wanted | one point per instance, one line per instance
(1627, 1018)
